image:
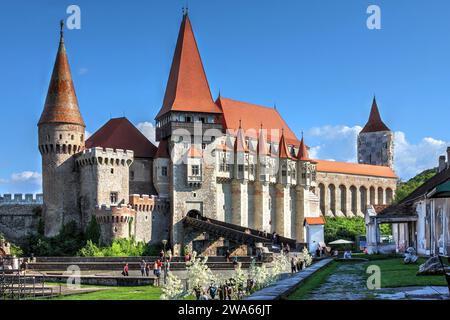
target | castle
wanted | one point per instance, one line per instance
(223, 171)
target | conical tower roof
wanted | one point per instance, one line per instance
(61, 105)
(303, 153)
(375, 124)
(187, 88)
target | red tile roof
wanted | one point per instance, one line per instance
(193, 152)
(163, 150)
(252, 116)
(262, 145)
(374, 124)
(303, 153)
(120, 133)
(61, 105)
(354, 168)
(240, 144)
(187, 88)
(283, 149)
(315, 220)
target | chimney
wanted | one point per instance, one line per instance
(442, 164)
(448, 157)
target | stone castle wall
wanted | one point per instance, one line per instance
(103, 171)
(376, 148)
(19, 220)
(348, 195)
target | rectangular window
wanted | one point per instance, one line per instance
(113, 197)
(164, 171)
(240, 167)
(195, 170)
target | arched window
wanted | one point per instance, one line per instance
(343, 198)
(322, 198)
(380, 195)
(354, 199)
(332, 198)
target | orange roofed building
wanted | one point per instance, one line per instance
(225, 173)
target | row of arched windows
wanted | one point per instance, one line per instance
(351, 200)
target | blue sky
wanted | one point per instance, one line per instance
(316, 60)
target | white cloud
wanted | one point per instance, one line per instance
(339, 142)
(411, 159)
(22, 182)
(334, 142)
(26, 176)
(148, 130)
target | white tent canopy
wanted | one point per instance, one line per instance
(341, 241)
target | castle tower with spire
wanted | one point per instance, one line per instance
(61, 135)
(376, 141)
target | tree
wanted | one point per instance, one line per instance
(93, 231)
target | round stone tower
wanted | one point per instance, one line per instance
(61, 135)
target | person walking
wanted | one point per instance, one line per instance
(166, 269)
(147, 269)
(157, 271)
(143, 266)
(125, 270)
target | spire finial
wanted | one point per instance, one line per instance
(261, 125)
(61, 30)
(302, 134)
(240, 123)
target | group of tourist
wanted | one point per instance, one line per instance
(297, 264)
(159, 265)
(229, 290)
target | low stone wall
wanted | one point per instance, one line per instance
(19, 220)
(105, 281)
(287, 286)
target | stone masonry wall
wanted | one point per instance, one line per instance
(19, 220)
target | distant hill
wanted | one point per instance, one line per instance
(405, 188)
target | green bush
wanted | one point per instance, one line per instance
(118, 248)
(93, 231)
(348, 228)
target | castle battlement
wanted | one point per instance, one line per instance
(105, 156)
(114, 214)
(142, 202)
(20, 198)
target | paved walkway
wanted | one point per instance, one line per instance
(286, 286)
(348, 282)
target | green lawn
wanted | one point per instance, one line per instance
(396, 274)
(313, 282)
(118, 293)
(393, 274)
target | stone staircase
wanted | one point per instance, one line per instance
(234, 232)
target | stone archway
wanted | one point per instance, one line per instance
(194, 214)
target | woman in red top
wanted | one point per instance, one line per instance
(125, 270)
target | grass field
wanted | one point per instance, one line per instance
(118, 293)
(396, 274)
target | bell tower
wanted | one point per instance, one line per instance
(61, 135)
(376, 141)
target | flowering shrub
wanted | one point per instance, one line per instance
(198, 273)
(173, 290)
